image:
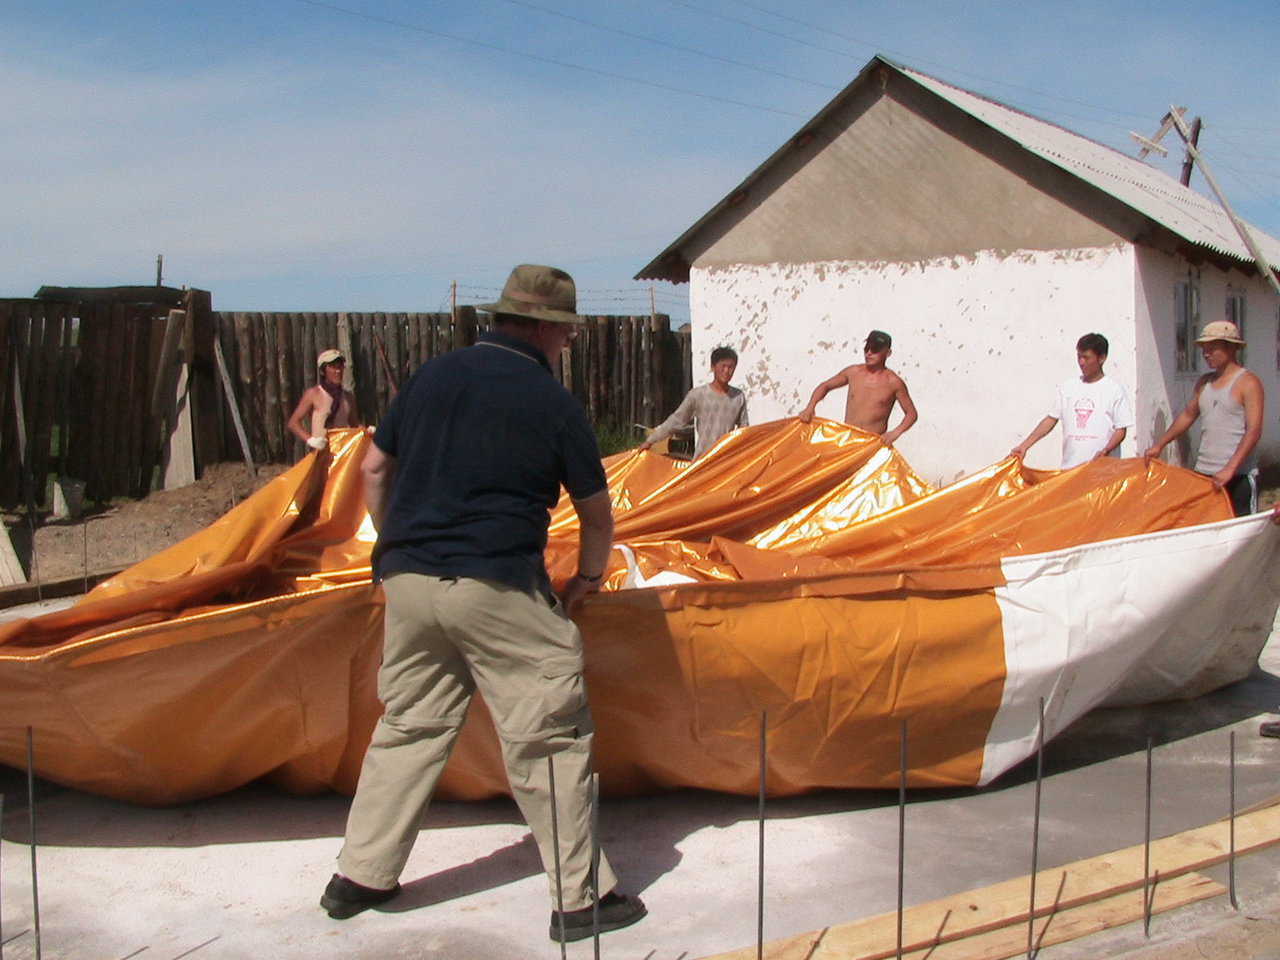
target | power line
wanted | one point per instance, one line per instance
(756, 26)
(669, 45)
(374, 18)
(877, 46)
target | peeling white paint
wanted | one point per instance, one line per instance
(1162, 389)
(981, 341)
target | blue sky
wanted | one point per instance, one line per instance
(365, 154)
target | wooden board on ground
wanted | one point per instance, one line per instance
(1005, 904)
(1105, 914)
(1004, 942)
(26, 592)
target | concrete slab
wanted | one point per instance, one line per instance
(240, 875)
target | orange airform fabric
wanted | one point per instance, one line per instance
(830, 587)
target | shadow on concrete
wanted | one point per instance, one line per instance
(641, 834)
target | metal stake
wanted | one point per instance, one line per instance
(595, 863)
(902, 823)
(1146, 856)
(764, 752)
(1231, 856)
(85, 554)
(1035, 833)
(31, 825)
(555, 842)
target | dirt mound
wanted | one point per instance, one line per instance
(127, 531)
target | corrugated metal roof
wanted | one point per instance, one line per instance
(1153, 193)
(1196, 218)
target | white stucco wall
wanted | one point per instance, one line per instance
(981, 341)
(1162, 390)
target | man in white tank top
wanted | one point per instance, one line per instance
(1230, 400)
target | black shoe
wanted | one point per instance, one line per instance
(344, 898)
(617, 910)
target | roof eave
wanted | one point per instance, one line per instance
(671, 264)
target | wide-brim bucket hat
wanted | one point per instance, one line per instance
(539, 293)
(1220, 330)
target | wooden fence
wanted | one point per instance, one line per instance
(625, 370)
(84, 376)
(77, 397)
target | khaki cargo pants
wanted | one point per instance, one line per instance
(445, 638)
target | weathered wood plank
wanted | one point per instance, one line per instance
(100, 323)
(274, 397)
(413, 342)
(263, 409)
(8, 454)
(205, 411)
(66, 369)
(291, 388)
(46, 399)
(32, 382)
(136, 392)
(243, 372)
(377, 323)
(81, 389)
(1005, 904)
(119, 400)
(233, 408)
(301, 372)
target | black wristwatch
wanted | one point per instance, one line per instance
(585, 579)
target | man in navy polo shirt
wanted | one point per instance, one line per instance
(460, 481)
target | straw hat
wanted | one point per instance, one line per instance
(1220, 330)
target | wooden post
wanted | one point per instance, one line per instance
(230, 394)
(464, 331)
(344, 344)
(204, 379)
(1189, 163)
(11, 571)
(1263, 266)
(244, 369)
(179, 459)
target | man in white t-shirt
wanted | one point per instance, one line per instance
(1094, 409)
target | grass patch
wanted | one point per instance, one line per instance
(615, 438)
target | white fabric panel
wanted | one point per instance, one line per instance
(1134, 620)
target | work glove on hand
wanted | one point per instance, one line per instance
(317, 443)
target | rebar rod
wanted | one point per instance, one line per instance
(902, 825)
(1146, 856)
(1231, 855)
(1035, 833)
(555, 843)
(31, 828)
(595, 864)
(764, 766)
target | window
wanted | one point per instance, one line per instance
(1235, 314)
(1186, 320)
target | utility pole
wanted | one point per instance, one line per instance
(159, 268)
(1263, 266)
(453, 301)
(1189, 163)
(1153, 142)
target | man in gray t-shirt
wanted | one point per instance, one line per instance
(713, 409)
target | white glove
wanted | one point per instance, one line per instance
(317, 443)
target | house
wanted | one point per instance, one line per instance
(986, 241)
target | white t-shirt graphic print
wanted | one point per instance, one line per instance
(1088, 414)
